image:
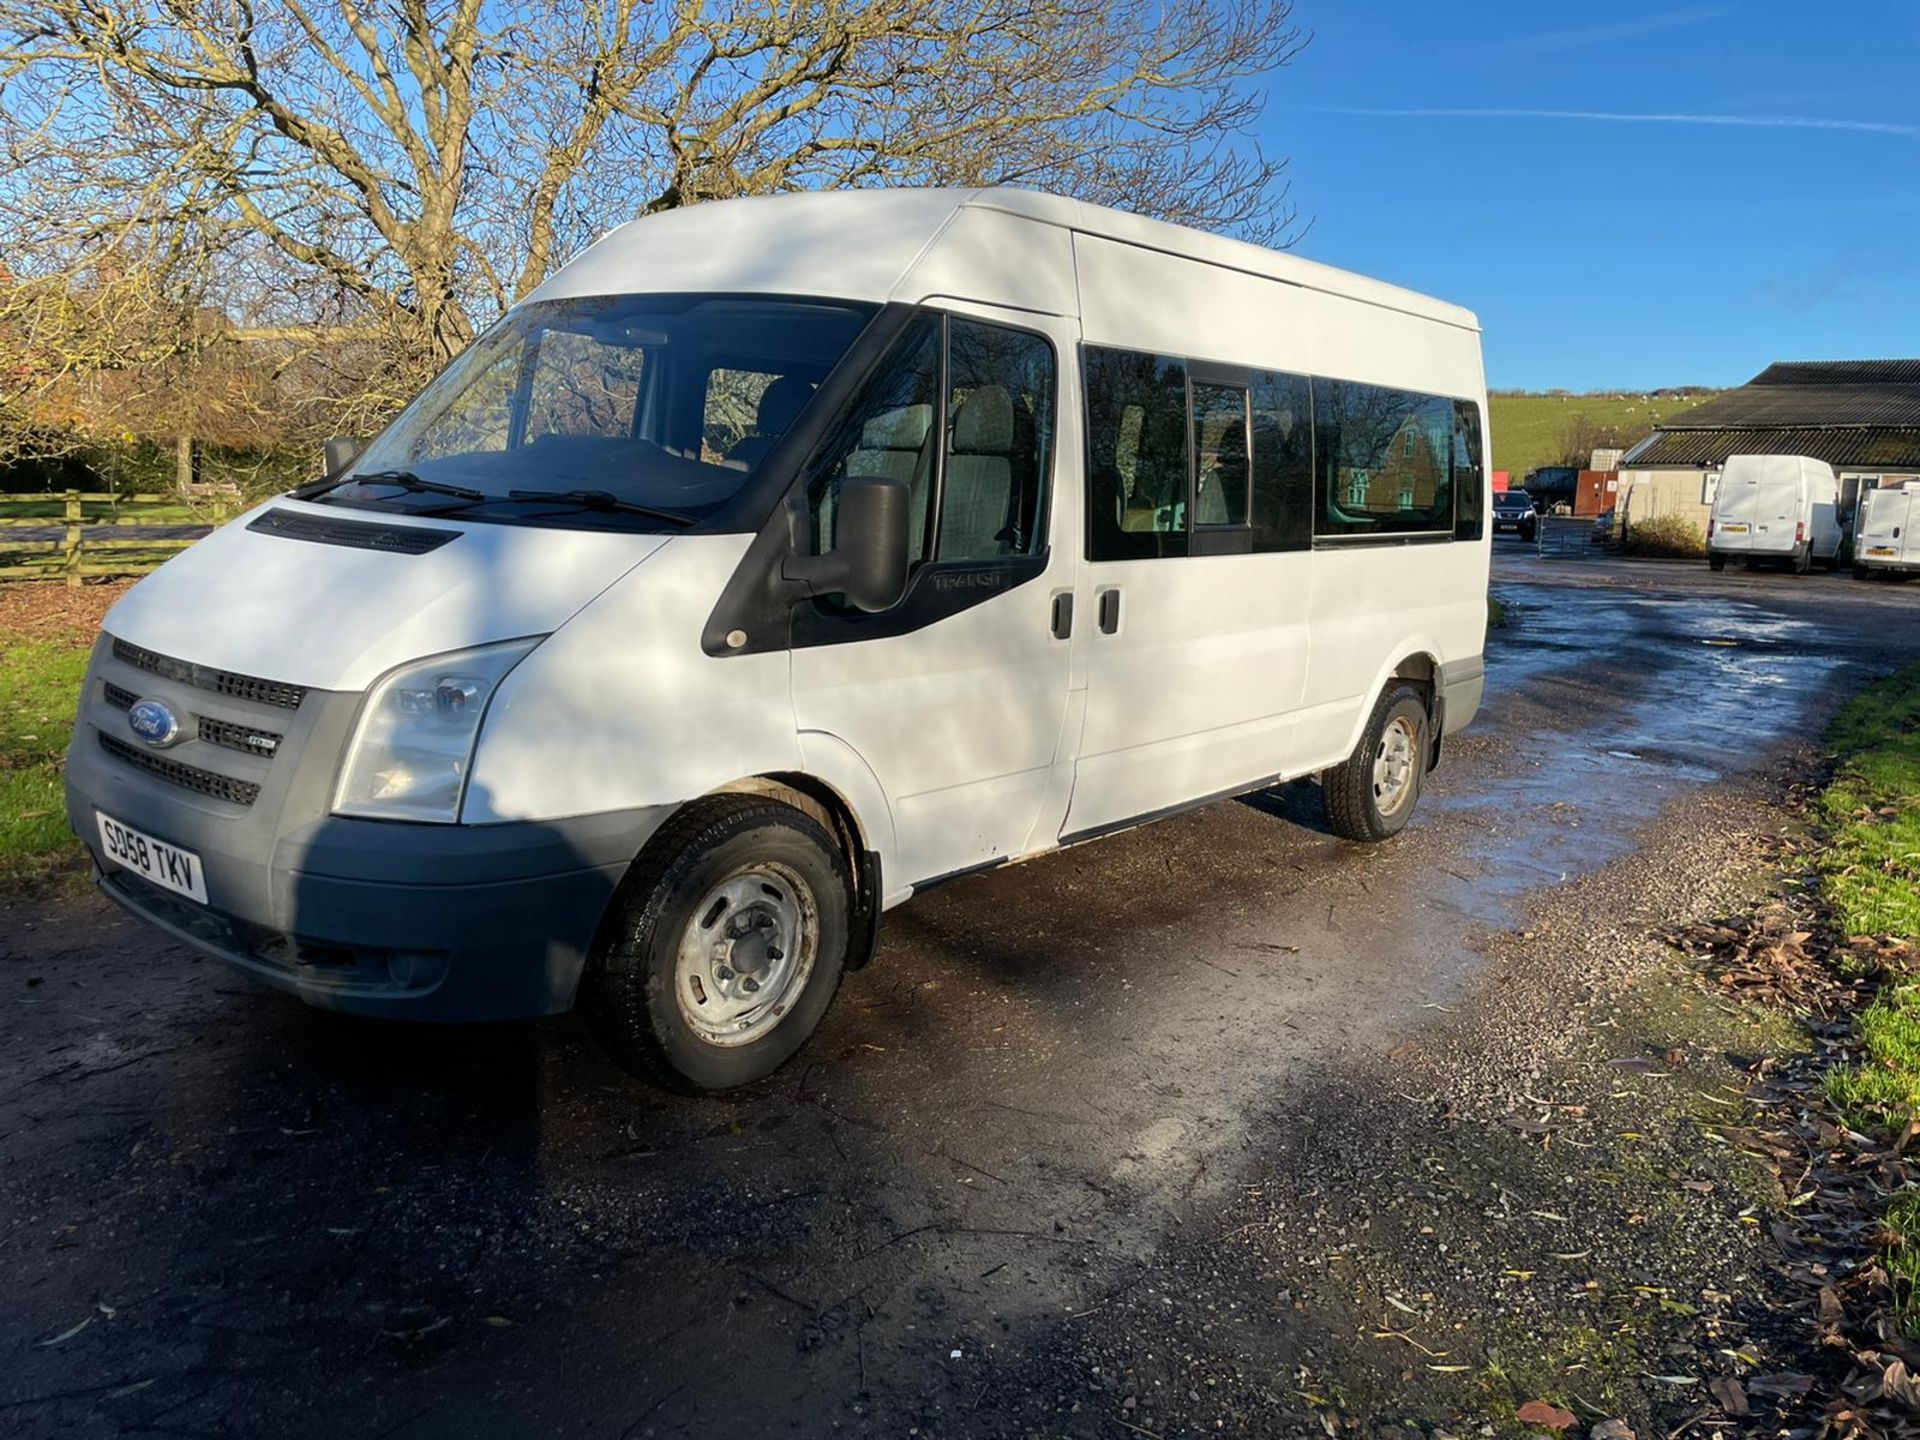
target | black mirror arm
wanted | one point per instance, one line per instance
(821, 574)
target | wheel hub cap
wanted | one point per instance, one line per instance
(746, 954)
(1393, 766)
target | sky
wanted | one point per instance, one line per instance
(1629, 197)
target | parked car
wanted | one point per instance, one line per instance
(1888, 542)
(1775, 507)
(1513, 510)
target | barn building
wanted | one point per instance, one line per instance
(1860, 416)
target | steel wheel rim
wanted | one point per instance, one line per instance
(1393, 765)
(746, 954)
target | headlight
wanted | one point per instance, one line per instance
(414, 747)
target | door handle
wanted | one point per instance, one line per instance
(1063, 615)
(1109, 611)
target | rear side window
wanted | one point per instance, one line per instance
(1137, 458)
(1384, 459)
(1220, 452)
(1469, 477)
(1282, 408)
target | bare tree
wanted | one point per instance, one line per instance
(407, 168)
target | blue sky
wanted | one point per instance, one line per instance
(1611, 253)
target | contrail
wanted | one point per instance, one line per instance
(1747, 122)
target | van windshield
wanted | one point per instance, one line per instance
(643, 411)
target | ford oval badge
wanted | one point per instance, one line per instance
(154, 722)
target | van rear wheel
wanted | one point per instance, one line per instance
(726, 946)
(1716, 562)
(1370, 795)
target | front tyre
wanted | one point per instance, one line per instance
(1370, 795)
(726, 945)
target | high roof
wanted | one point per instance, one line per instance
(1862, 413)
(862, 244)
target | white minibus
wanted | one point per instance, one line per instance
(777, 559)
(1775, 507)
(1887, 539)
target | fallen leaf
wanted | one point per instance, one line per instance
(66, 1335)
(499, 1322)
(1728, 1395)
(1549, 1417)
(1786, 1382)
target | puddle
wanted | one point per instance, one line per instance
(1708, 684)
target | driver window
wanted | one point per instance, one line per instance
(887, 431)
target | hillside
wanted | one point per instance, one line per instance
(1533, 430)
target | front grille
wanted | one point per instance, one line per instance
(355, 534)
(204, 677)
(187, 777)
(118, 698)
(244, 738)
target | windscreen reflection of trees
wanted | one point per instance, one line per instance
(1387, 459)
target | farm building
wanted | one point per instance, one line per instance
(1860, 416)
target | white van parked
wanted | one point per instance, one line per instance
(777, 559)
(1887, 539)
(1775, 507)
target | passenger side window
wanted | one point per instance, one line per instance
(1469, 479)
(1220, 445)
(1282, 462)
(1385, 459)
(888, 430)
(999, 442)
(581, 386)
(1137, 455)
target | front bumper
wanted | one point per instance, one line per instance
(416, 921)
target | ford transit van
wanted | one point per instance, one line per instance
(1888, 538)
(1775, 507)
(778, 559)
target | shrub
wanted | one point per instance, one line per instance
(1665, 537)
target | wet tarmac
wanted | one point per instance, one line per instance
(221, 1213)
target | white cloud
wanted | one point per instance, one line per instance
(1611, 117)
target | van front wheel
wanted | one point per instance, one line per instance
(726, 945)
(1371, 794)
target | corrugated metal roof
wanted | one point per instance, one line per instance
(1756, 407)
(1859, 447)
(1840, 372)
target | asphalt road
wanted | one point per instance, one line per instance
(224, 1214)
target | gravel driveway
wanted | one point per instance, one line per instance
(1084, 1152)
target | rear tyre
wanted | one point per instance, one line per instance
(1860, 572)
(725, 946)
(1716, 562)
(1371, 794)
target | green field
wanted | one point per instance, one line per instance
(1533, 430)
(39, 681)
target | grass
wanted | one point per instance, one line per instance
(1871, 869)
(1870, 874)
(39, 687)
(1531, 430)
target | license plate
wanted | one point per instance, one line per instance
(1886, 550)
(167, 866)
(1733, 529)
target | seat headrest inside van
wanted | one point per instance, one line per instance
(984, 423)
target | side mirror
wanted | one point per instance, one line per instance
(868, 563)
(340, 452)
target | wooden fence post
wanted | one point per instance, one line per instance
(71, 557)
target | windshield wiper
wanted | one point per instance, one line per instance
(604, 500)
(403, 479)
